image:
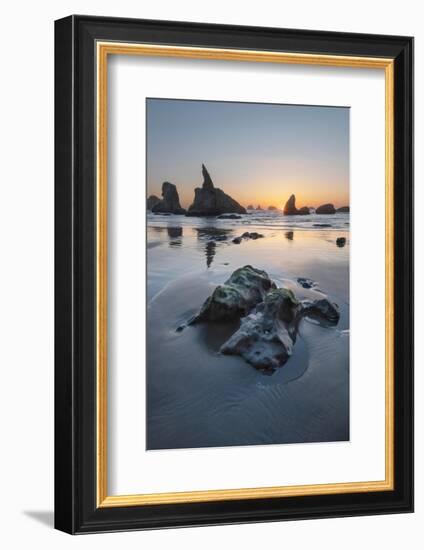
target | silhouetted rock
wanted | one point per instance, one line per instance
(304, 211)
(340, 242)
(289, 235)
(152, 201)
(211, 201)
(291, 210)
(229, 217)
(250, 207)
(326, 209)
(170, 202)
(259, 207)
(290, 206)
(272, 208)
(343, 209)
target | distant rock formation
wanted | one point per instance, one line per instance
(259, 207)
(343, 209)
(250, 207)
(304, 211)
(291, 210)
(229, 217)
(152, 201)
(326, 209)
(170, 202)
(211, 201)
(272, 208)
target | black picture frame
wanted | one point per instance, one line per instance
(76, 510)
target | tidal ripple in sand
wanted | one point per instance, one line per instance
(198, 398)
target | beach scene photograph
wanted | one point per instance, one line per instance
(247, 274)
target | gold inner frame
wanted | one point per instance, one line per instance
(103, 50)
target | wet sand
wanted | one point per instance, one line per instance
(199, 398)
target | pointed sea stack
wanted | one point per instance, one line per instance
(211, 201)
(170, 203)
(291, 210)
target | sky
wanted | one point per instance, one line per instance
(257, 153)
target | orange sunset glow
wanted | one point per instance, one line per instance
(258, 153)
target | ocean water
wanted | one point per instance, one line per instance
(198, 398)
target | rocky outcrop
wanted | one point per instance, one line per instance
(252, 235)
(245, 288)
(326, 209)
(343, 209)
(272, 208)
(170, 202)
(291, 210)
(304, 211)
(267, 335)
(211, 201)
(270, 317)
(250, 207)
(305, 282)
(229, 217)
(152, 201)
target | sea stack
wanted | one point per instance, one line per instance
(170, 203)
(152, 201)
(343, 209)
(211, 201)
(291, 210)
(326, 209)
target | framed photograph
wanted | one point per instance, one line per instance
(234, 254)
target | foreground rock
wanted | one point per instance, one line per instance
(170, 202)
(343, 209)
(211, 201)
(341, 241)
(269, 315)
(245, 288)
(291, 210)
(326, 209)
(267, 336)
(152, 201)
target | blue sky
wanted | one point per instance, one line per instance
(257, 153)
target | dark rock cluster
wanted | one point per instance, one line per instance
(211, 201)
(291, 210)
(269, 316)
(170, 202)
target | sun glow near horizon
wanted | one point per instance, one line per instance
(259, 154)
